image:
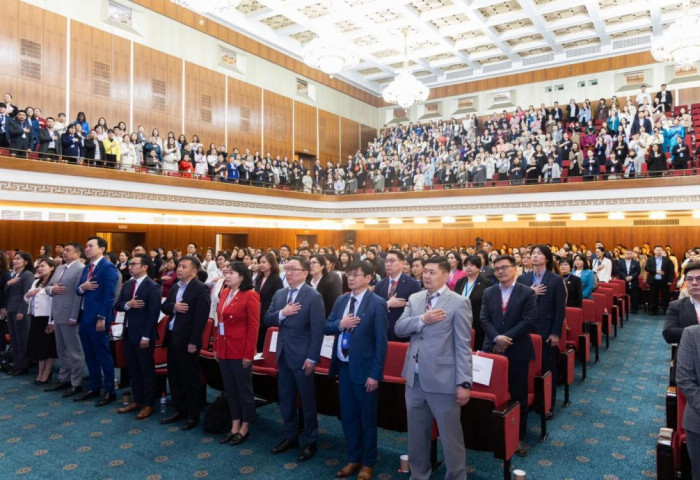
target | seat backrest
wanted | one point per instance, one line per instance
(498, 384)
(600, 305)
(609, 294)
(161, 328)
(207, 334)
(323, 365)
(566, 334)
(395, 358)
(574, 319)
(535, 367)
(269, 359)
(588, 311)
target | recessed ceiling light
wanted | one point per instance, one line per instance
(543, 217)
(448, 220)
(616, 216)
(510, 218)
(479, 219)
(657, 215)
(349, 221)
(696, 214)
(421, 220)
(395, 221)
(579, 217)
(371, 221)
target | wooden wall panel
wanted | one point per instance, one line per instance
(100, 71)
(277, 134)
(244, 111)
(349, 138)
(687, 96)
(35, 75)
(367, 134)
(328, 137)
(205, 100)
(157, 91)
(305, 129)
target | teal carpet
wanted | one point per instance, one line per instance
(608, 432)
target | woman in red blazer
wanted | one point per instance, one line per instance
(234, 346)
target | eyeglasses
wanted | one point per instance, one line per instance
(355, 275)
(291, 269)
(692, 279)
(132, 264)
(502, 268)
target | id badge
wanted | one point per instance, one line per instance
(221, 328)
(345, 340)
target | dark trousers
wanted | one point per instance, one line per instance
(142, 371)
(358, 410)
(98, 357)
(291, 381)
(238, 384)
(656, 286)
(4, 141)
(517, 385)
(185, 381)
(693, 441)
(19, 336)
(633, 291)
(550, 358)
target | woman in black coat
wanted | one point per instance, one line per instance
(14, 308)
(324, 284)
(574, 287)
(267, 282)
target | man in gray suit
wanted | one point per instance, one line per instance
(438, 370)
(688, 381)
(65, 307)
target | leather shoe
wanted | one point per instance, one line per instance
(18, 371)
(549, 415)
(87, 396)
(133, 406)
(307, 452)
(238, 439)
(522, 450)
(72, 391)
(106, 399)
(190, 423)
(57, 386)
(284, 445)
(227, 438)
(171, 419)
(348, 470)
(365, 473)
(144, 413)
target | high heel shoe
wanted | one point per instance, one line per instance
(44, 382)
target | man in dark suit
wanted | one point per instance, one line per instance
(298, 311)
(49, 141)
(473, 287)
(188, 306)
(19, 131)
(665, 98)
(688, 381)
(660, 275)
(97, 288)
(557, 113)
(684, 312)
(4, 120)
(395, 288)
(551, 307)
(629, 271)
(140, 298)
(508, 313)
(359, 322)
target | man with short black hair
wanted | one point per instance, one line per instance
(49, 141)
(188, 306)
(629, 271)
(686, 311)
(395, 289)
(19, 131)
(660, 275)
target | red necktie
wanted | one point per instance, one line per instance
(392, 287)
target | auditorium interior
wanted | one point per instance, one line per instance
(271, 151)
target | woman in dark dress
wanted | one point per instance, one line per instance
(4, 277)
(267, 283)
(41, 347)
(123, 265)
(15, 308)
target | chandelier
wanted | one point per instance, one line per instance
(327, 54)
(680, 43)
(405, 89)
(207, 6)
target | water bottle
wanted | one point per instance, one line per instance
(163, 401)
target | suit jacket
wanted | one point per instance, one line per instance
(188, 326)
(634, 271)
(517, 322)
(405, 287)
(666, 266)
(45, 139)
(574, 291)
(19, 139)
(475, 298)
(99, 302)
(679, 315)
(140, 322)
(91, 147)
(272, 284)
(13, 297)
(669, 99)
(445, 346)
(330, 290)
(688, 376)
(241, 321)
(551, 307)
(368, 341)
(301, 335)
(67, 306)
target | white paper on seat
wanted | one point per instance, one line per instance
(117, 330)
(273, 342)
(258, 356)
(119, 317)
(481, 369)
(327, 346)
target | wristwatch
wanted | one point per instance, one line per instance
(466, 385)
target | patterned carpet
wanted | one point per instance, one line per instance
(608, 432)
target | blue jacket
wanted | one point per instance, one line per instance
(99, 302)
(406, 287)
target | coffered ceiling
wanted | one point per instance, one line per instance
(452, 41)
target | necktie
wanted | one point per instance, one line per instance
(392, 287)
(291, 294)
(345, 337)
(89, 278)
(429, 302)
(133, 289)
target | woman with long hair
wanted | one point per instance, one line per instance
(15, 308)
(168, 275)
(456, 272)
(267, 283)
(41, 346)
(583, 270)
